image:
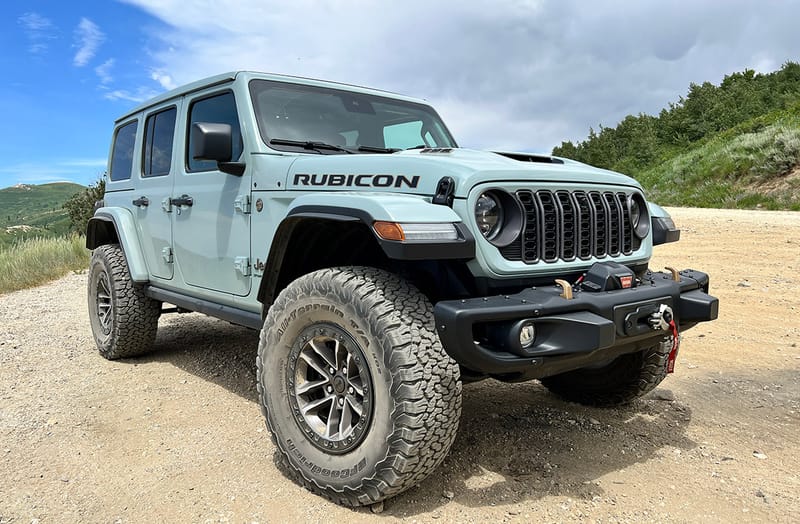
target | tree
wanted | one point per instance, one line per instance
(80, 206)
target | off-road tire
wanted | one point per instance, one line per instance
(416, 385)
(624, 379)
(129, 327)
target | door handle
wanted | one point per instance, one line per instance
(183, 200)
(141, 202)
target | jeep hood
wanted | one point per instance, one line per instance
(418, 171)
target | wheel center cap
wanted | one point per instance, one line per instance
(339, 384)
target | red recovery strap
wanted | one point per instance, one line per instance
(673, 354)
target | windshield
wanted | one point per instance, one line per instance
(293, 117)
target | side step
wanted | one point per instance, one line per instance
(222, 312)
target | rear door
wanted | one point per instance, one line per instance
(154, 188)
(212, 235)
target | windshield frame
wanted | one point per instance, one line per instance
(254, 88)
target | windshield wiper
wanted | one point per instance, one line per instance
(376, 149)
(309, 144)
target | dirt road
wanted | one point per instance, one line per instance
(177, 436)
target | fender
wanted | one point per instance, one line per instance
(391, 208)
(121, 221)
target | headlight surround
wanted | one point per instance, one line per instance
(639, 215)
(499, 217)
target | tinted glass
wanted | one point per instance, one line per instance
(219, 109)
(343, 118)
(122, 154)
(159, 133)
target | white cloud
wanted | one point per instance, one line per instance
(38, 30)
(515, 74)
(88, 38)
(139, 95)
(103, 72)
(81, 170)
(163, 79)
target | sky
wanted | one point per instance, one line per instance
(519, 75)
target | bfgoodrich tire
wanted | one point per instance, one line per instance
(624, 379)
(124, 320)
(361, 398)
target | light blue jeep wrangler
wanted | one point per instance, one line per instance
(384, 266)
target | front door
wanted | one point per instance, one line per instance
(210, 217)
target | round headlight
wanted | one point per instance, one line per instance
(636, 213)
(639, 216)
(489, 215)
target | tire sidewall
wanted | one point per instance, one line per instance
(99, 265)
(282, 329)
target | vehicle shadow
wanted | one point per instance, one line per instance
(516, 442)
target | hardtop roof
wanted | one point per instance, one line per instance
(246, 76)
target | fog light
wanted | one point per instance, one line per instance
(527, 334)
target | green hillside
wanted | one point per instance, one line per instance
(736, 144)
(34, 211)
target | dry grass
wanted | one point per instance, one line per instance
(35, 261)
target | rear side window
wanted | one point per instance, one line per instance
(218, 109)
(159, 134)
(122, 153)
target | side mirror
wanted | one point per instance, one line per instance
(212, 141)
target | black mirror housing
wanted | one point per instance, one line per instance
(212, 141)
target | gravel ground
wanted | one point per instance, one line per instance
(177, 435)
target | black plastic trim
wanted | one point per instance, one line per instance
(591, 328)
(222, 312)
(461, 249)
(664, 232)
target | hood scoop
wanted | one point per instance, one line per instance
(528, 157)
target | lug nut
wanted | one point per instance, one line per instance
(344, 370)
(341, 401)
(351, 390)
(331, 371)
(330, 389)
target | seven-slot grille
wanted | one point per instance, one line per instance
(565, 225)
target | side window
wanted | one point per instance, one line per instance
(159, 133)
(122, 153)
(218, 109)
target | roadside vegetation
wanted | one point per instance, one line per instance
(35, 261)
(736, 144)
(31, 255)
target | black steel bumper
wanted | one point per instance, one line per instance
(482, 334)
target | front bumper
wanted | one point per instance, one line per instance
(482, 334)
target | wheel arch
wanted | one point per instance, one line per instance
(346, 237)
(116, 226)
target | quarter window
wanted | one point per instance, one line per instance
(219, 109)
(122, 152)
(159, 134)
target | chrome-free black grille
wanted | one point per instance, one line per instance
(569, 225)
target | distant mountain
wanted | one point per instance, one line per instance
(34, 210)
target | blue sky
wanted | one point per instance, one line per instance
(507, 74)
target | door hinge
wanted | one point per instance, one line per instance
(242, 204)
(242, 265)
(166, 254)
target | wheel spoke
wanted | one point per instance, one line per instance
(332, 426)
(314, 404)
(308, 359)
(322, 352)
(357, 408)
(310, 385)
(346, 420)
(355, 383)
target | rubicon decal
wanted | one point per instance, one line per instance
(356, 180)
